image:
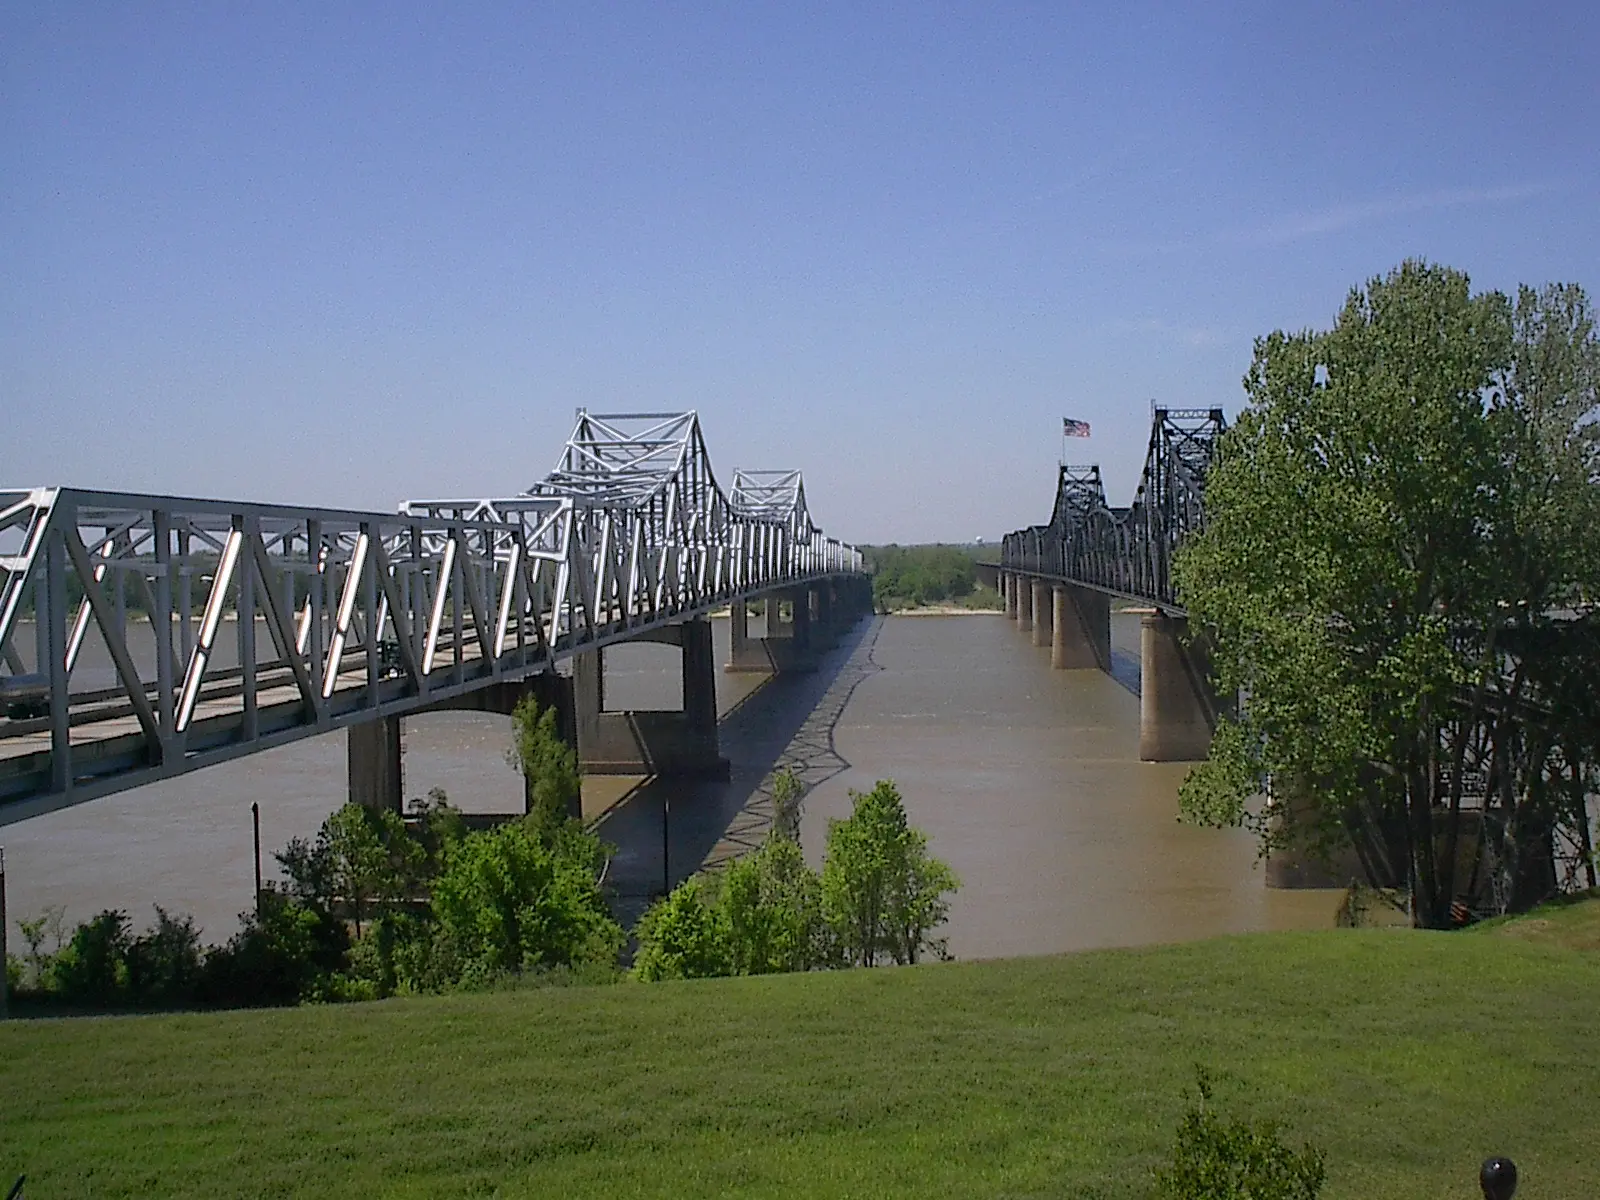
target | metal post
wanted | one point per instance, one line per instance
(666, 843)
(255, 826)
(5, 980)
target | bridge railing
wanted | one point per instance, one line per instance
(144, 636)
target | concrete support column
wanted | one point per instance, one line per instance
(680, 743)
(1082, 629)
(826, 624)
(1043, 624)
(1011, 595)
(1024, 603)
(1174, 721)
(800, 622)
(375, 769)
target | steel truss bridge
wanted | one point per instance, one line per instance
(145, 636)
(1126, 551)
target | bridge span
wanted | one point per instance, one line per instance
(222, 629)
(1061, 578)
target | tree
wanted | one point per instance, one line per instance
(683, 935)
(511, 900)
(788, 794)
(1384, 515)
(771, 908)
(882, 895)
(548, 765)
(373, 858)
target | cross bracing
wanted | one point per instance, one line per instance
(1126, 551)
(145, 636)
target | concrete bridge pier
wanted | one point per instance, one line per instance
(1024, 615)
(682, 743)
(376, 768)
(375, 749)
(826, 627)
(1177, 711)
(1043, 618)
(1008, 589)
(1081, 621)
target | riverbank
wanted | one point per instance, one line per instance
(1407, 1056)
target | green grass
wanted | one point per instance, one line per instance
(1408, 1056)
(1571, 922)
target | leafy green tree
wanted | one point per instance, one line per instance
(374, 859)
(547, 763)
(1395, 502)
(511, 900)
(684, 935)
(771, 908)
(435, 824)
(882, 895)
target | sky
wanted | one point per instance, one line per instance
(356, 254)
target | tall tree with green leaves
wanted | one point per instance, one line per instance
(547, 763)
(1384, 513)
(882, 894)
(510, 900)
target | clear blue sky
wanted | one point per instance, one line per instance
(350, 255)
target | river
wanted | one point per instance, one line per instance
(1026, 780)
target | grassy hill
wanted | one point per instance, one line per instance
(1408, 1056)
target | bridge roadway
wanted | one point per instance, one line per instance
(1060, 579)
(312, 620)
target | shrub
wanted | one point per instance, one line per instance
(1219, 1158)
(510, 900)
(882, 895)
(771, 906)
(281, 955)
(683, 936)
(92, 968)
(165, 965)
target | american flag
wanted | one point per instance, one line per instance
(1071, 428)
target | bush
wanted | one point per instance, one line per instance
(1230, 1159)
(165, 967)
(511, 900)
(92, 969)
(547, 763)
(281, 955)
(683, 936)
(14, 973)
(771, 906)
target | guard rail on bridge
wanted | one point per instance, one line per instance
(168, 633)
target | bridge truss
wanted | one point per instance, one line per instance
(145, 636)
(1126, 551)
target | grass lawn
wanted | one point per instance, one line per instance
(1408, 1056)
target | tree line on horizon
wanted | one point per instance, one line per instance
(913, 576)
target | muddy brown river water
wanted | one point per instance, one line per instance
(1025, 779)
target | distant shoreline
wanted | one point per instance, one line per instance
(946, 610)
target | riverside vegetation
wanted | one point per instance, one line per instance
(377, 906)
(919, 576)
